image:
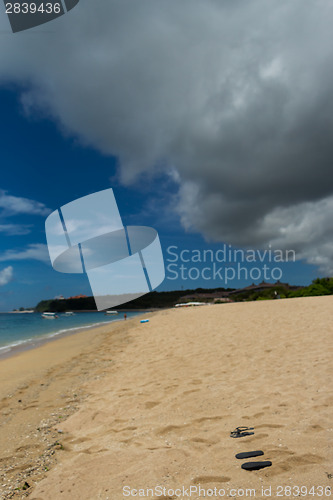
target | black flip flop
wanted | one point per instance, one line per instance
(241, 432)
(249, 454)
(256, 465)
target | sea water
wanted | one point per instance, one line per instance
(17, 329)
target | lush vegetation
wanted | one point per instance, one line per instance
(319, 286)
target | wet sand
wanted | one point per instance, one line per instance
(134, 406)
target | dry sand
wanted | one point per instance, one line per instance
(153, 404)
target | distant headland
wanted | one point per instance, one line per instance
(159, 300)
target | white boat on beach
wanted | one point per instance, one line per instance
(47, 315)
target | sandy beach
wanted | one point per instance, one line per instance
(111, 412)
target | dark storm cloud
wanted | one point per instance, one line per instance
(235, 97)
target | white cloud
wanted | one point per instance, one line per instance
(307, 228)
(235, 97)
(14, 205)
(37, 251)
(6, 275)
(15, 229)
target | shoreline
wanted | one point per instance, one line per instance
(27, 345)
(10, 350)
(153, 309)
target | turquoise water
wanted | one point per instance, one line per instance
(25, 329)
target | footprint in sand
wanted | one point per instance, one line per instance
(124, 429)
(210, 479)
(196, 381)
(94, 451)
(257, 415)
(171, 388)
(203, 419)
(79, 440)
(278, 452)
(315, 428)
(207, 442)
(151, 404)
(29, 407)
(126, 394)
(27, 447)
(170, 428)
(256, 437)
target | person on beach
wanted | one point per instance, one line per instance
(125, 316)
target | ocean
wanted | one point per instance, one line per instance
(25, 330)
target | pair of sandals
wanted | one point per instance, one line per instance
(242, 432)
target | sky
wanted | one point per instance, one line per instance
(211, 120)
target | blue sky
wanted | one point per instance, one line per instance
(212, 123)
(42, 165)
